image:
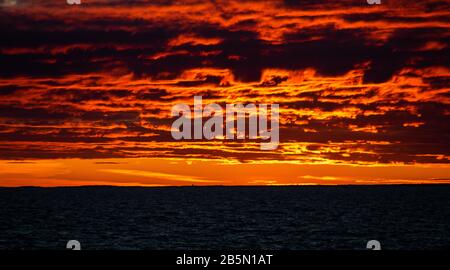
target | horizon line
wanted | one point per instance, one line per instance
(225, 186)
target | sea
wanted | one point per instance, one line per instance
(399, 217)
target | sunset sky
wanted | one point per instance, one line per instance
(86, 91)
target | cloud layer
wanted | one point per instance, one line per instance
(355, 83)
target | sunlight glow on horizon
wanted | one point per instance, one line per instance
(181, 172)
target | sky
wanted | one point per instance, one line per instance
(86, 91)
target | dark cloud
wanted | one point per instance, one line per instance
(101, 85)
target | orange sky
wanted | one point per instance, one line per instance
(180, 172)
(86, 91)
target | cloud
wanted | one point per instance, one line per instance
(161, 176)
(353, 81)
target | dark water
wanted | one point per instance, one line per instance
(346, 217)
